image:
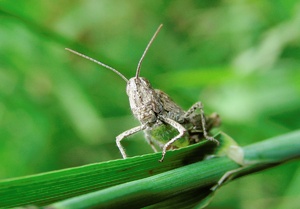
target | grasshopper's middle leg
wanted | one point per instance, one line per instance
(125, 134)
(198, 105)
(151, 142)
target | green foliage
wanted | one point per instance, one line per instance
(57, 111)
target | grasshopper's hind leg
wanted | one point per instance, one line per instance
(198, 105)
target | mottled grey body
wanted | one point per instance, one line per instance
(153, 107)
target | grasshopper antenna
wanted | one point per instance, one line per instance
(99, 63)
(149, 44)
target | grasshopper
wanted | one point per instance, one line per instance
(159, 115)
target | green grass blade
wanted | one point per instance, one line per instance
(46, 188)
(143, 181)
(165, 189)
(274, 150)
(151, 190)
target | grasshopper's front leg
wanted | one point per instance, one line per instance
(198, 105)
(125, 134)
(179, 128)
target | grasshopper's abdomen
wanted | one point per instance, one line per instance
(164, 132)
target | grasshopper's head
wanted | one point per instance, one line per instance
(143, 100)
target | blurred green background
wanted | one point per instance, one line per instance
(57, 110)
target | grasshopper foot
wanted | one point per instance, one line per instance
(162, 158)
(210, 138)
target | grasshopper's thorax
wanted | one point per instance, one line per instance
(143, 100)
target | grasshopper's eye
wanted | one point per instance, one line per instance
(146, 82)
